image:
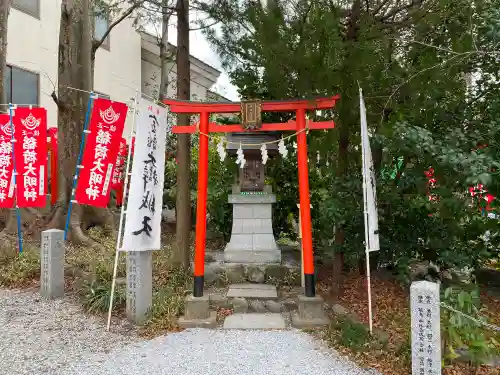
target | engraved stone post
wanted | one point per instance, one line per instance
(425, 328)
(52, 264)
(139, 285)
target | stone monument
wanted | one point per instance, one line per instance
(252, 239)
(425, 328)
(139, 285)
(52, 264)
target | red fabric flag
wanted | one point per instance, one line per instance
(101, 150)
(119, 196)
(6, 166)
(118, 172)
(30, 149)
(53, 164)
(489, 200)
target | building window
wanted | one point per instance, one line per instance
(21, 86)
(101, 26)
(32, 7)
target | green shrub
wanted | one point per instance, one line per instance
(461, 332)
(18, 270)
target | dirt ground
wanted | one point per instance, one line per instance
(391, 313)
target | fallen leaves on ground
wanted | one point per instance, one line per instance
(391, 314)
(222, 313)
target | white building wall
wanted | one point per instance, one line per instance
(33, 45)
(203, 76)
(118, 71)
(130, 64)
(151, 82)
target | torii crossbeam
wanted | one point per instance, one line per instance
(252, 113)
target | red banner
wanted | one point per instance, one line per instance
(30, 151)
(119, 171)
(119, 196)
(6, 167)
(101, 150)
(53, 164)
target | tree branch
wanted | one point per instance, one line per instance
(170, 9)
(54, 97)
(202, 27)
(379, 8)
(97, 43)
(395, 11)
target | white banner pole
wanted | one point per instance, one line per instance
(122, 211)
(367, 250)
(366, 176)
(369, 287)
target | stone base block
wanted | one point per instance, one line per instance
(252, 256)
(210, 322)
(197, 308)
(300, 323)
(220, 273)
(310, 314)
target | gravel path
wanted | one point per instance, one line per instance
(39, 336)
(56, 338)
(216, 352)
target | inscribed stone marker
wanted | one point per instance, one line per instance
(52, 264)
(139, 285)
(425, 328)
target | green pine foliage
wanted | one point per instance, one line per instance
(414, 61)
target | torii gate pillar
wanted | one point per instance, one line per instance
(299, 126)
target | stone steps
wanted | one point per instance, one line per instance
(217, 273)
(252, 298)
(257, 291)
(255, 321)
(254, 306)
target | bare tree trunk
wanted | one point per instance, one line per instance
(77, 53)
(164, 51)
(344, 132)
(75, 45)
(181, 253)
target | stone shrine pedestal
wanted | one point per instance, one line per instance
(252, 239)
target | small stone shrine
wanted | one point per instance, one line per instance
(252, 239)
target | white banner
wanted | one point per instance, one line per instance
(144, 205)
(369, 184)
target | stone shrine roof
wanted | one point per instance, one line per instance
(234, 140)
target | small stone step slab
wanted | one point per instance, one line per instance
(254, 321)
(260, 291)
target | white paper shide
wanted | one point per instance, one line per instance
(144, 205)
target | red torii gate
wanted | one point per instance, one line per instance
(253, 110)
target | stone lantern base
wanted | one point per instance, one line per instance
(252, 239)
